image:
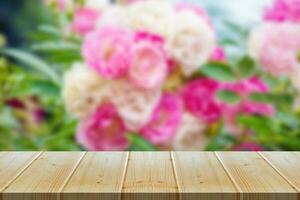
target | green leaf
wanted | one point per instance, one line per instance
(261, 97)
(271, 98)
(298, 56)
(51, 30)
(34, 62)
(139, 144)
(288, 119)
(290, 143)
(56, 46)
(24, 143)
(228, 96)
(260, 125)
(43, 88)
(218, 71)
(246, 67)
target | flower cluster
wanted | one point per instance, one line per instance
(245, 88)
(276, 42)
(129, 59)
(139, 75)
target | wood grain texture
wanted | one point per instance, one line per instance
(45, 177)
(255, 177)
(12, 164)
(150, 175)
(99, 175)
(201, 176)
(287, 164)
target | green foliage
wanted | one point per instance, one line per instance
(228, 96)
(272, 98)
(36, 72)
(138, 143)
(218, 71)
(273, 133)
(222, 142)
(246, 67)
(33, 62)
(18, 129)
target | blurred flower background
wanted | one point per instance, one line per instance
(150, 75)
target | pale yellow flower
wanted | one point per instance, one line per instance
(190, 134)
(83, 90)
(134, 105)
(192, 43)
(155, 16)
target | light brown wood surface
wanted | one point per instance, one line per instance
(150, 175)
(202, 173)
(98, 175)
(12, 164)
(45, 177)
(254, 177)
(286, 164)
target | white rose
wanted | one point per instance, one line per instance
(193, 41)
(190, 134)
(83, 90)
(274, 46)
(134, 105)
(115, 15)
(153, 16)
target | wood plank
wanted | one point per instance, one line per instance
(201, 176)
(150, 175)
(287, 164)
(12, 164)
(45, 177)
(100, 175)
(255, 177)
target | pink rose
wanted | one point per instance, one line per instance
(149, 63)
(103, 131)
(245, 106)
(283, 10)
(165, 120)
(246, 87)
(195, 9)
(84, 20)
(279, 56)
(108, 51)
(276, 46)
(135, 105)
(199, 99)
(218, 55)
(250, 107)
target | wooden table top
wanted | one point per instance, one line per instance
(150, 175)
